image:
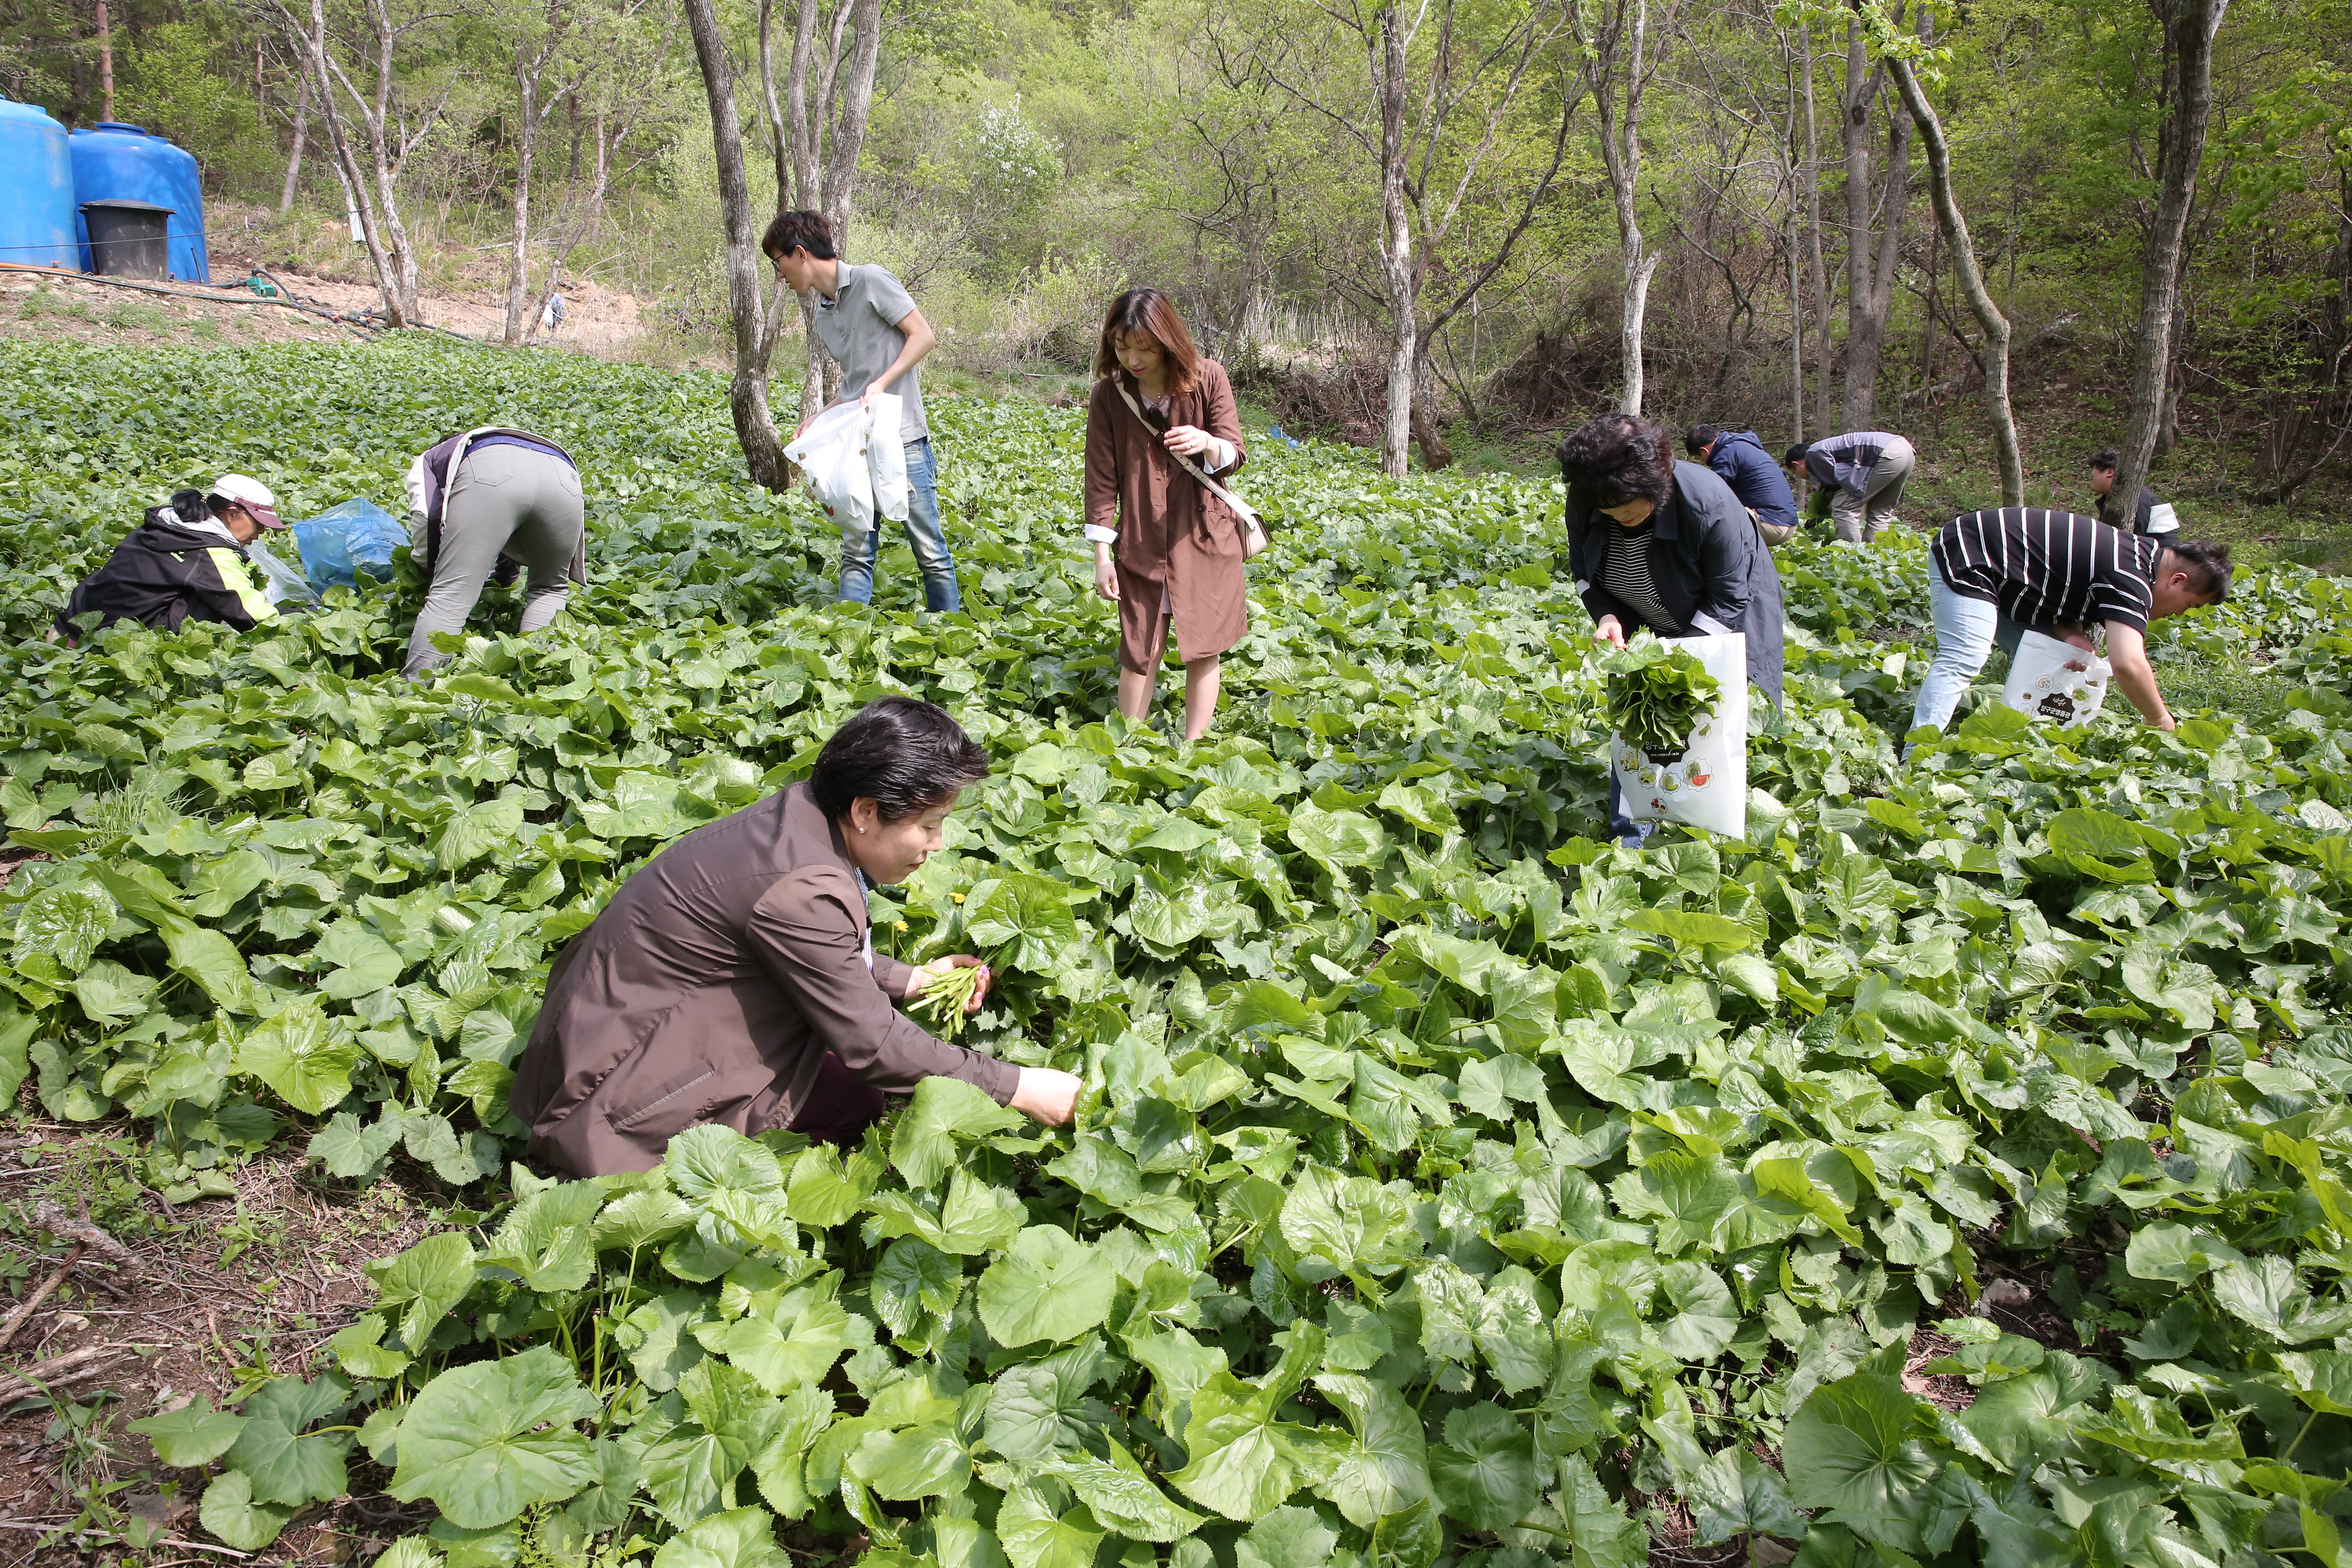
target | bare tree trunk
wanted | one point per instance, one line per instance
(747, 396)
(312, 42)
(1396, 240)
(527, 120)
(2189, 28)
(1820, 277)
(1621, 45)
(1870, 278)
(1989, 320)
(294, 159)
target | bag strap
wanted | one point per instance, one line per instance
(1247, 511)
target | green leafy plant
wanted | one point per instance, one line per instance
(1448, 1184)
(1656, 693)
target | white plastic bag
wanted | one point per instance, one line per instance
(1704, 784)
(832, 457)
(886, 457)
(853, 472)
(2056, 680)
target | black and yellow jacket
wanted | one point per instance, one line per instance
(169, 572)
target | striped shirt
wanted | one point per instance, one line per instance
(1625, 574)
(2049, 568)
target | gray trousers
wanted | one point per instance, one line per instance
(1859, 517)
(506, 501)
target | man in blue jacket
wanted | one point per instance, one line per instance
(1743, 463)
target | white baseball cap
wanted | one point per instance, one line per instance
(251, 494)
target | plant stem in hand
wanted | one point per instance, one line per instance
(944, 997)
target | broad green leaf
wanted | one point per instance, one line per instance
(1484, 1476)
(192, 1436)
(298, 1054)
(1047, 1287)
(923, 1146)
(428, 1278)
(286, 1465)
(1121, 1497)
(230, 1513)
(211, 961)
(1244, 1463)
(793, 1341)
(1736, 1494)
(919, 1462)
(487, 1440)
(1855, 1450)
(1034, 1536)
(1386, 1470)
(1285, 1538)
(64, 925)
(743, 1538)
(1040, 1407)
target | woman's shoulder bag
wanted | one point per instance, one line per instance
(1254, 534)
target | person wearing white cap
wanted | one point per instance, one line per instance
(184, 563)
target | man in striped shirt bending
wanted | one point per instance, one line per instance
(1993, 573)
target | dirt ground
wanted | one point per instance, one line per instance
(227, 1291)
(597, 320)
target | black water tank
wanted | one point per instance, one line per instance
(129, 239)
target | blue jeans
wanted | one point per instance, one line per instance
(859, 542)
(1967, 631)
(1621, 828)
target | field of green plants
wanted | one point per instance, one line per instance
(1451, 1186)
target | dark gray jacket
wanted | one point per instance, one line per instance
(1707, 561)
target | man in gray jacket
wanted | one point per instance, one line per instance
(1857, 479)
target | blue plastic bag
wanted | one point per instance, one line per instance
(345, 537)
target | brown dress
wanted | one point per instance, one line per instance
(711, 988)
(1179, 548)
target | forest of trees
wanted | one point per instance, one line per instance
(1439, 216)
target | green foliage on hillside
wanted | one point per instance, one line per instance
(1448, 1186)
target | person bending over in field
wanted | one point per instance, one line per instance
(1666, 545)
(1168, 551)
(185, 561)
(1739, 459)
(1857, 479)
(733, 980)
(492, 501)
(1993, 573)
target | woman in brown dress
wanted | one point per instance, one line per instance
(1167, 553)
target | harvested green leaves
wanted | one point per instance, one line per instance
(1656, 693)
(944, 997)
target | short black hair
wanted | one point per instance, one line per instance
(903, 754)
(799, 229)
(2206, 563)
(1794, 455)
(1699, 437)
(2106, 457)
(1615, 458)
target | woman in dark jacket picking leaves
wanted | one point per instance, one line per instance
(1666, 545)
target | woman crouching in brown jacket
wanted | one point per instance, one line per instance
(733, 980)
(1167, 553)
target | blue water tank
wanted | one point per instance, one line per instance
(36, 190)
(123, 163)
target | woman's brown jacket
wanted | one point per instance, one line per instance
(710, 990)
(1179, 548)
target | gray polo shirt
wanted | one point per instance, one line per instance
(859, 328)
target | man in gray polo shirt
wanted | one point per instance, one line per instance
(869, 323)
